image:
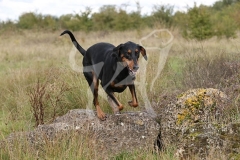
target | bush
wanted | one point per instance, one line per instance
(199, 26)
(226, 21)
(8, 25)
(49, 22)
(199, 22)
(225, 26)
(28, 20)
(104, 20)
(163, 14)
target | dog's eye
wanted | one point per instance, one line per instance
(137, 53)
(129, 52)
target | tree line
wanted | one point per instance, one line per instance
(222, 19)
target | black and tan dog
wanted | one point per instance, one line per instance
(116, 67)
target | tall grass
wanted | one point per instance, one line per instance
(75, 146)
(31, 57)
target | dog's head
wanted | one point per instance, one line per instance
(128, 53)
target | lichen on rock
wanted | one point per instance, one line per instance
(194, 122)
(199, 105)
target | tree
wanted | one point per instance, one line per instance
(104, 20)
(163, 14)
(85, 20)
(199, 26)
(28, 20)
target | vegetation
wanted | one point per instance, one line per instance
(38, 63)
(199, 22)
(37, 84)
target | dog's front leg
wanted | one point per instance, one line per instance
(133, 102)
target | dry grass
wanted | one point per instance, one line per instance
(27, 57)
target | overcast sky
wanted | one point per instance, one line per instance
(12, 9)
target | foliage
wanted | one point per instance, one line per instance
(112, 18)
(44, 96)
(225, 18)
(214, 63)
(77, 21)
(28, 20)
(8, 25)
(199, 24)
(219, 5)
(104, 20)
(32, 20)
(163, 14)
(222, 19)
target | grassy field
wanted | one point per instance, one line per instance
(37, 59)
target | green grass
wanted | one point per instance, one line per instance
(75, 146)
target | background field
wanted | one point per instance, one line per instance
(30, 59)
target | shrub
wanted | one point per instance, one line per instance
(49, 22)
(45, 99)
(163, 14)
(104, 20)
(28, 20)
(199, 26)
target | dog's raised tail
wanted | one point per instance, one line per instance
(76, 44)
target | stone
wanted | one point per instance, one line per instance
(127, 131)
(195, 123)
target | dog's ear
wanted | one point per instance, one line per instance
(117, 49)
(143, 52)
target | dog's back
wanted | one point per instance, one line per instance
(97, 53)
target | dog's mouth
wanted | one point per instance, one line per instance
(132, 73)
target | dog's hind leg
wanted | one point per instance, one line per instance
(114, 103)
(94, 83)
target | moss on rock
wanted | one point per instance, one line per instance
(195, 123)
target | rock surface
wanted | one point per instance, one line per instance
(122, 132)
(195, 122)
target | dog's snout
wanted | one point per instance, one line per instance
(135, 67)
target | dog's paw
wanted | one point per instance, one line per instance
(101, 115)
(120, 107)
(132, 104)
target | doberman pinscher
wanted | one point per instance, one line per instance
(116, 67)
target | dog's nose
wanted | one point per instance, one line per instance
(135, 68)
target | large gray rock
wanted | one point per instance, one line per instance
(196, 123)
(122, 132)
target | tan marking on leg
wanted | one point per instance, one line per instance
(101, 115)
(134, 102)
(120, 107)
(114, 106)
